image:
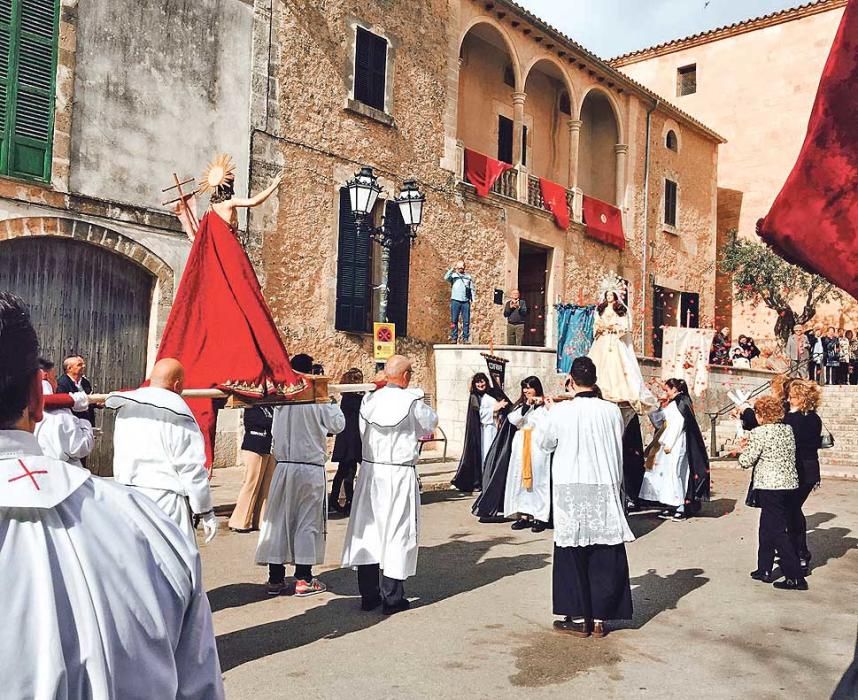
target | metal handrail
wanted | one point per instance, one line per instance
(715, 415)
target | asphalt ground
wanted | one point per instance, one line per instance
(480, 622)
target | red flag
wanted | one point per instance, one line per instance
(554, 196)
(482, 172)
(221, 329)
(814, 220)
(604, 222)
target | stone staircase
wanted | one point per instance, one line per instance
(839, 412)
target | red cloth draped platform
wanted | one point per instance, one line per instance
(814, 220)
(482, 172)
(221, 329)
(604, 222)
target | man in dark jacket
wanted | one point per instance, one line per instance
(73, 381)
(515, 312)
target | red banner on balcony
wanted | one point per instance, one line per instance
(604, 222)
(814, 220)
(482, 172)
(554, 197)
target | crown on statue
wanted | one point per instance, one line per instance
(221, 170)
(612, 283)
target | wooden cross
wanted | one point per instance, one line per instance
(181, 200)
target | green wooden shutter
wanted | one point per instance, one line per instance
(29, 115)
(398, 274)
(5, 46)
(354, 263)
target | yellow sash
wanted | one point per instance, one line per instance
(526, 463)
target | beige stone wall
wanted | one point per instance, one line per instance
(757, 90)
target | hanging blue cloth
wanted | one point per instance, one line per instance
(574, 333)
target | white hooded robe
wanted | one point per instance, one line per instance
(158, 448)
(102, 595)
(385, 516)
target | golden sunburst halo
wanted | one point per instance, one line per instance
(219, 171)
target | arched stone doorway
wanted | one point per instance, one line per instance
(597, 159)
(86, 298)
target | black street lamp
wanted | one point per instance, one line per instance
(363, 193)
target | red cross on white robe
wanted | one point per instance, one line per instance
(28, 473)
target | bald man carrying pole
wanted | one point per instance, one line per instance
(385, 516)
(158, 449)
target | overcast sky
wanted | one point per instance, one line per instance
(613, 27)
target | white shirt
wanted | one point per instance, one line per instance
(586, 435)
(62, 435)
(300, 430)
(102, 594)
(158, 445)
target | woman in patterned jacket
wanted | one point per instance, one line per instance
(771, 453)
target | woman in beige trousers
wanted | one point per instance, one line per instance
(258, 469)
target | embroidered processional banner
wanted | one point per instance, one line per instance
(574, 333)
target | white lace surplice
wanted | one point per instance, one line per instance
(586, 436)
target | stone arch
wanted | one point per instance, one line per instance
(602, 150)
(505, 37)
(615, 106)
(567, 81)
(94, 234)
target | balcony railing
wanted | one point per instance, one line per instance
(516, 183)
(507, 184)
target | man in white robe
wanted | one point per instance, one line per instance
(159, 450)
(385, 518)
(102, 594)
(60, 433)
(293, 525)
(590, 569)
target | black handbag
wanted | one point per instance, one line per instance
(752, 500)
(826, 440)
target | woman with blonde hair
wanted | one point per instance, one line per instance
(804, 397)
(771, 453)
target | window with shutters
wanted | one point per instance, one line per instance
(670, 203)
(398, 274)
(28, 55)
(354, 268)
(370, 69)
(686, 80)
(505, 139)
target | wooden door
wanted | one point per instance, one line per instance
(85, 300)
(532, 280)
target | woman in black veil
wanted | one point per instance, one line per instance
(489, 506)
(698, 459)
(469, 475)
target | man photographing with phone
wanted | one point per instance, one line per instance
(461, 296)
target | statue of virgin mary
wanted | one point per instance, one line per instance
(617, 369)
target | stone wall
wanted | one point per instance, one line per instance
(158, 88)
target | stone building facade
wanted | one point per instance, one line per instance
(453, 69)
(770, 68)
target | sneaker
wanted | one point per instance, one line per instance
(303, 589)
(677, 516)
(278, 588)
(665, 515)
(401, 606)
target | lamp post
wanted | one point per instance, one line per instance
(363, 193)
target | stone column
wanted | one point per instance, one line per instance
(518, 99)
(574, 138)
(622, 152)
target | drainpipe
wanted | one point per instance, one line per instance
(645, 250)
